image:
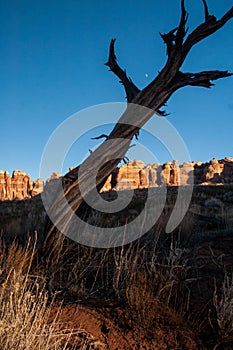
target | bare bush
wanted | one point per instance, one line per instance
(223, 303)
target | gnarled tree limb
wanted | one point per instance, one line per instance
(203, 79)
(130, 88)
(204, 30)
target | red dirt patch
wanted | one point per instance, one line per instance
(111, 328)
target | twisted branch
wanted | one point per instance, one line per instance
(203, 79)
(130, 88)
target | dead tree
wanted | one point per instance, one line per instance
(154, 96)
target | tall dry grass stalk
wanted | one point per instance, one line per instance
(25, 316)
(223, 302)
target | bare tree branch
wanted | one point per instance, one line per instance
(181, 32)
(102, 136)
(206, 10)
(202, 79)
(169, 40)
(208, 17)
(173, 40)
(130, 88)
(205, 29)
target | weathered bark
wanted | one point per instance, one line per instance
(154, 96)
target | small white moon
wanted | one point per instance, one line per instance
(146, 75)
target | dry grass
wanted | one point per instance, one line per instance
(141, 301)
(85, 271)
(25, 321)
(159, 289)
(153, 281)
(223, 302)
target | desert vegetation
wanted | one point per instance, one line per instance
(159, 292)
(25, 306)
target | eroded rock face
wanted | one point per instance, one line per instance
(52, 182)
(133, 175)
(136, 175)
(175, 173)
(166, 173)
(128, 176)
(37, 188)
(227, 172)
(19, 186)
(150, 172)
(186, 173)
(212, 171)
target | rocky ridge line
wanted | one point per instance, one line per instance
(129, 176)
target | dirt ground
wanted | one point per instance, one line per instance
(108, 325)
(110, 328)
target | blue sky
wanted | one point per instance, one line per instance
(52, 56)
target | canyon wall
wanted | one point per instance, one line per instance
(136, 175)
(19, 186)
(133, 175)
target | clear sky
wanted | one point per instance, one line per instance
(52, 56)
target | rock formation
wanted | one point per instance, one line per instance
(19, 186)
(52, 181)
(129, 176)
(136, 175)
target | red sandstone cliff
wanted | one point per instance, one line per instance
(136, 175)
(130, 176)
(19, 186)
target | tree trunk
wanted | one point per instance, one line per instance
(142, 105)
